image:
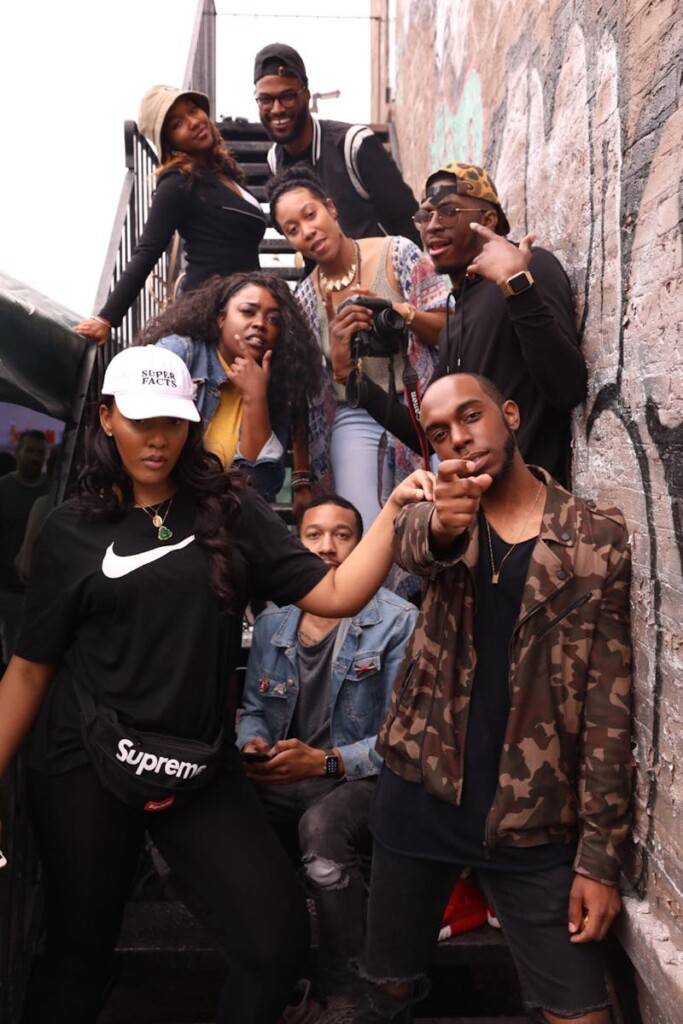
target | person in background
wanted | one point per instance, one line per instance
(344, 440)
(316, 691)
(200, 194)
(37, 516)
(255, 364)
(7, 463)
(366, 185)
(507, 745)
(511, 316)
(18, 491)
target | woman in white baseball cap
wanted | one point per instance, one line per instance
(200, 194)
(131, 628)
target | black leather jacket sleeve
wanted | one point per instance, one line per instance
(165, 216)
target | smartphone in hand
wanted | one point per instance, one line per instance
(254, 756)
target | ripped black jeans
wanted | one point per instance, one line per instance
(331, 822)
(407, 897)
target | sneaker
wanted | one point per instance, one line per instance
(339, 1010)
(306, 1009)
(491, 917)
(464, 911)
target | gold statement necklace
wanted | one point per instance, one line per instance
(495, 572)
(337, 284)
(158, 521)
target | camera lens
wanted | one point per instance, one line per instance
(389, 320)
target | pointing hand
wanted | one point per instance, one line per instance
(457, 496)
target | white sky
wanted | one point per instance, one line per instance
(71, 72)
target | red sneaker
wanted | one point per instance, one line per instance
(464, 911)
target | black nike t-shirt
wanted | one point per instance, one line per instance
(134, 619)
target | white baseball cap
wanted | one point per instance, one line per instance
(148, 381)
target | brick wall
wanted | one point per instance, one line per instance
(577, 109)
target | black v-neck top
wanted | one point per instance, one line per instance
(221, 232)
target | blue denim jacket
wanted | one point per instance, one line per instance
(363, 674)
(208, 375)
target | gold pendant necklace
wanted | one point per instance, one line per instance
(339, 283)
(495, 572)
(158, 521)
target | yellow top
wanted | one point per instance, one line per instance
(223, 432)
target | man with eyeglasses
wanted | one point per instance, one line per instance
(510, 316)
(365, 183)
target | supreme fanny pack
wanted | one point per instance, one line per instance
(147, 770)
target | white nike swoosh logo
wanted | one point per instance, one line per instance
(115, 566)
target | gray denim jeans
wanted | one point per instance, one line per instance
(331, 818)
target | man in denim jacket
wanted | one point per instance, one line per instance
(315, 694)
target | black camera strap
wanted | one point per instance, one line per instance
(413, 398)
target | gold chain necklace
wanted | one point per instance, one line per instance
(158, 521)
(339, 283)
(495, 572)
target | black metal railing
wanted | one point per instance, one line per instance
(136, 199)
(129, 223)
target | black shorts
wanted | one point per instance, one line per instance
(566, 978)
(407, 897)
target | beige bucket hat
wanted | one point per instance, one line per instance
(156, 104)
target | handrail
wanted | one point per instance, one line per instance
(129, 222)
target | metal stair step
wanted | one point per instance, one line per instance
(240, 128)
(252, 149)
(159, 929)
(276, 245)
(256, 170)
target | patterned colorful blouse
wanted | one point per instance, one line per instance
(422, 287)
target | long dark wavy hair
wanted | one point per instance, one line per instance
(220, 159)
(296, 368)
(105, 492)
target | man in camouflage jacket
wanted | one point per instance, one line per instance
(546, 834)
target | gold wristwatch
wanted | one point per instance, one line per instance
(517, 284)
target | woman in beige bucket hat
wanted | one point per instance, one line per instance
(199, 194)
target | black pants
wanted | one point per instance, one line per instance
(332, 820)
(230, 867)
(407, 897)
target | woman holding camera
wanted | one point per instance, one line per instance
(343, 440)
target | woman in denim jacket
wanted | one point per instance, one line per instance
(254, 363)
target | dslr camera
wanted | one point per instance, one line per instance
(388, 334)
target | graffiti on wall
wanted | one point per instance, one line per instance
(580, 121)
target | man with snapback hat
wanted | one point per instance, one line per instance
(512, 318)
(365, 183)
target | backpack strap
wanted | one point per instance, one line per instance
(353, 140)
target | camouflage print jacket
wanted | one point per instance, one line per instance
(566, 765)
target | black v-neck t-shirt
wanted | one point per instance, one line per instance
(408, 819)
(135, 622)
